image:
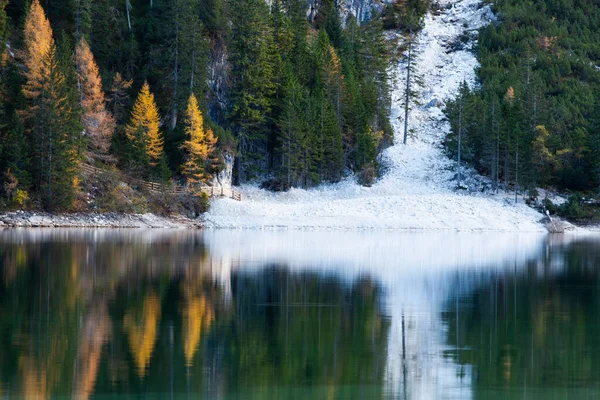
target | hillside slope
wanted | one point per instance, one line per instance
(416, 191)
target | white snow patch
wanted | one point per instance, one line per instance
(416, 191)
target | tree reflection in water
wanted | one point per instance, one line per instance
(82, 316)
(533, 332)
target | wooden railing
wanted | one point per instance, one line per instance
(157, 187)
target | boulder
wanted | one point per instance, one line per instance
(435, 103)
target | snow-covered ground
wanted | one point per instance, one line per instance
(416, 191)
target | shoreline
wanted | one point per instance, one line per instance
(35, 219)
(114, 220)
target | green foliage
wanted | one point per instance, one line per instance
(290, 96)
(532, 120)
(572, 208)
(404, 14)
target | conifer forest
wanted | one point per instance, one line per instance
(164, 89)
(294, 93)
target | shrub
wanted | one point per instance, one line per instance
(368, 174)
(549, 206)
(572, 209)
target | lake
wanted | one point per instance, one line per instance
(294, 314)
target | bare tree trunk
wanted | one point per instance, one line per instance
(193, 59)
(322, 142)
(460, 123)
(175, 75)
(407, 94)
(496, 139)
(128, 9)
(516, 168)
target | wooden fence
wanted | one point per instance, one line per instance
(157, 187)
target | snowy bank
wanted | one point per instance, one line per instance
(416, 191)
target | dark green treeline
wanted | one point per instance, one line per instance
(301, 100)
(534, 120)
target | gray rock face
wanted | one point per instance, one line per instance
(435, 103)
(224, 178)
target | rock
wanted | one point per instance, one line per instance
(457, 45)
(435, 103)
(224, 178)
(93, 220)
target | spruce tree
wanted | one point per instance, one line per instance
(295, 163)
(14, 162)
(189, 52)
(252, 86)
(330, 142)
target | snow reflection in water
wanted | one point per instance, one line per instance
(297, 314)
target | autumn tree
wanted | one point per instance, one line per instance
(99, 124)
(52, 118)
(199, 145)
(38, 40)
(143, 133)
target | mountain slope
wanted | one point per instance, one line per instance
(416, 191)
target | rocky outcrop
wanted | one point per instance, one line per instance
(93, 220)
(224, 177)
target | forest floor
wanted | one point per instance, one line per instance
(417, 189)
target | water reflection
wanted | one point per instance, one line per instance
(223, 314)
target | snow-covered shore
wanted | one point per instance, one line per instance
(416, 191)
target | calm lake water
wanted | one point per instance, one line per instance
(298, 315)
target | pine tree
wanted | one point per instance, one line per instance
(199, 145)
(330, 72)
(143, 132)
(295, 163)
(189, 53)
(99, 124)
(14, 161)
(119, 97)
(252, 57)
(330, 141)
(83, 19)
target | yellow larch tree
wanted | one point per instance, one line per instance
(99, 124)
(143, 130)
(38, 41)
(141, 327)
(199, 145)
(198, 314)
(49, 114)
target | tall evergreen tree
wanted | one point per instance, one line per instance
(252, 55)
(293, 139)
(189, 52)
